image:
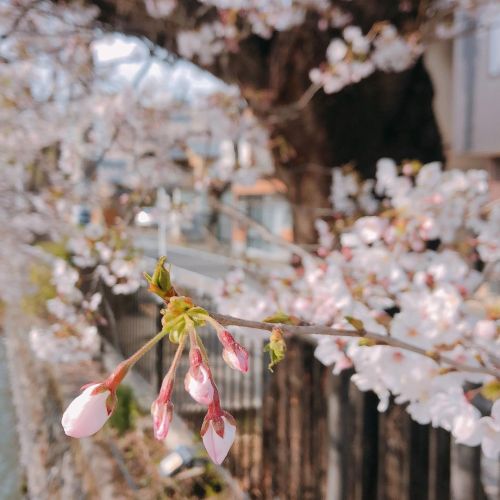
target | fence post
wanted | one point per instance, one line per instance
(466, 473)
(439, 464)
(394, 454)
(335, 438)
(419, 461)
(295, 426)
(359, 441)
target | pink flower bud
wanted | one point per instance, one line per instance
(218, 432)
(199, 385)
(87, 413)
(162, 416)
(235, 355)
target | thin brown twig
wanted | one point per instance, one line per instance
(339, 332)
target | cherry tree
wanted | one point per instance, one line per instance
(397, 286)
(291, 59)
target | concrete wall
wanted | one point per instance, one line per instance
(466, 77)
(476, 86)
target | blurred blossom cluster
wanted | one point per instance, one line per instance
(109, 255)
(408, 254)
(350, 57)
(62, 97)
(96, 263)
(63, 112)
(72, 334)
(263, 17)
(356, 56)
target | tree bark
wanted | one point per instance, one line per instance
(385, 115)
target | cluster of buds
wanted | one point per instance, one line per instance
(89, 412)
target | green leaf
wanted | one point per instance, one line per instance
(356, 323)
(283, 318)
(491, 390)
(366, 342)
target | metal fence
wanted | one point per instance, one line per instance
(305, 434)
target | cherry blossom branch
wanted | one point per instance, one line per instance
(288, 111)
(339, 332)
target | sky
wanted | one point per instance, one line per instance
(124, 58)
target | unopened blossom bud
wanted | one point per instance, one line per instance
(235, 355)
(198, 382)
(162, 408)
(162, 413)
(160, 283)
(218, 432)
(87, 413)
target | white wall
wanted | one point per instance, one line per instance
(476, 86)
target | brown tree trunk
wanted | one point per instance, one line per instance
(387, 114)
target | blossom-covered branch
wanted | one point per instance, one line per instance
(403, 265)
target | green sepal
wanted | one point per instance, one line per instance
(175, 335)
(197, 315)
(175, 328)
(180, 315)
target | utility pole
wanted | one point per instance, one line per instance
(162, 206)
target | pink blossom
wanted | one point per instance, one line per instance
(199, 384)
(87, 413)
(370, 228)
(343, 363)
(218, 434)
(162, 412)
(485, 329)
